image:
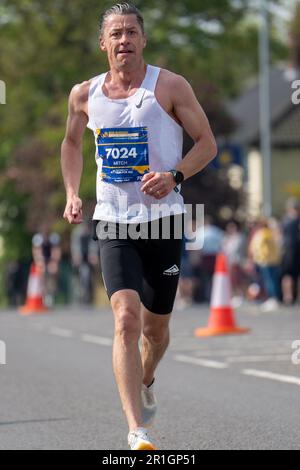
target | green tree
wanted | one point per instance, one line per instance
(295, 37)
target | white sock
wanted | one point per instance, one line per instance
(143, 430)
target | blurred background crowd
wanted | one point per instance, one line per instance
(263, 260)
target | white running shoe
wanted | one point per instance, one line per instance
(270, 305)
(139, 440)
(149, 404)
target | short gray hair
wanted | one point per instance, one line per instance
(121, 9)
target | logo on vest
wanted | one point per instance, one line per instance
(139, 105)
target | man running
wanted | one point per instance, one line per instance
(137, 113)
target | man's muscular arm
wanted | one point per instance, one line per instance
(193, 119)
(71, 151)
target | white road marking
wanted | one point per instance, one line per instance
(257, 342)
(266, 358)
(239, 352)
(219, 352)
(96, 340)
(245, 343)
(271, 376)
(63, 333)
(201, 362)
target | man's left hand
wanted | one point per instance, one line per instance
(158, 185)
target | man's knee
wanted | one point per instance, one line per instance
(126, 308)
(157, 336)
(127, 323)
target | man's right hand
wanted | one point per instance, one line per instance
(73, 210)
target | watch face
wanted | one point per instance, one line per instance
(179, 177)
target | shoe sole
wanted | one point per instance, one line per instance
(145, 446)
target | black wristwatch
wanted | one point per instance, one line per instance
(178, 176)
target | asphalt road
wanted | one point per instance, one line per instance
(57, 389)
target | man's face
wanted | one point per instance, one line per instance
(123, 40)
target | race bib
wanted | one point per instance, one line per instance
(124, 152)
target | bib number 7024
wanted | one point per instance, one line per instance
(123, 152)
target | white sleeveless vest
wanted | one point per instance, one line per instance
(153, 141)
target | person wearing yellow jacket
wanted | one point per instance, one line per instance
(265, 251)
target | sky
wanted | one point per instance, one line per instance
(285, 12)
(282, 14)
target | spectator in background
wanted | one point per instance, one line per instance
(234, 247)
(15, 283)
(186, 284)
(85, 256)
(46, 252)
(291, 252)
(64, 283)
(212, 246)
(266, 254)
(253, 275)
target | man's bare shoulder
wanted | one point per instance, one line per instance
(171, 80)
(175, 87)
(79, 95)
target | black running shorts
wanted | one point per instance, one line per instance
(147, 265)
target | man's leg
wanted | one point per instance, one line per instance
(155, 340)
(287, 289)
(127, 362)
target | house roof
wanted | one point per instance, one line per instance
(287, 131)
(285, 115)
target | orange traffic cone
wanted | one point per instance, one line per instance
(221, 320)
(34, 301)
